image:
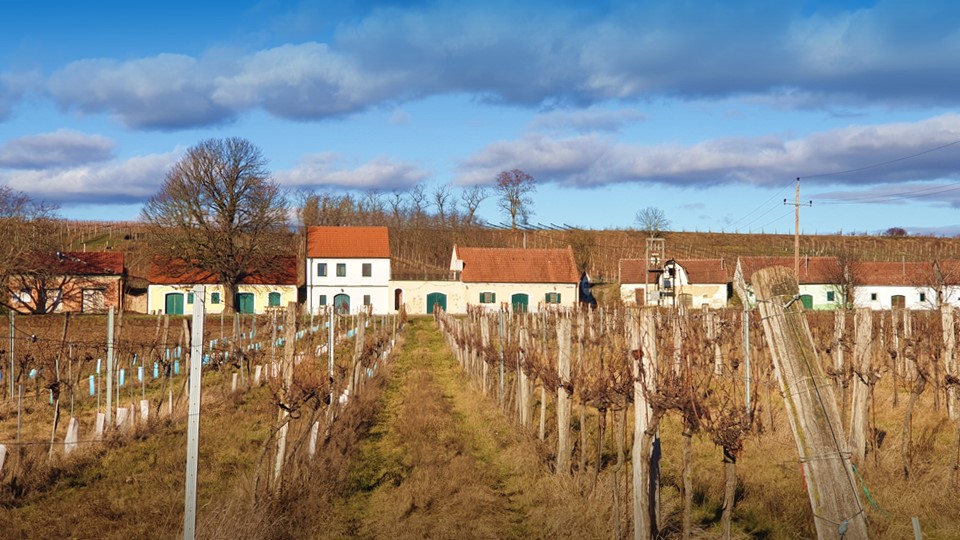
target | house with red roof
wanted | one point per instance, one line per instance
(908, 285)
(56, 282)
(519, 280)
(171, 282)
(349, 268)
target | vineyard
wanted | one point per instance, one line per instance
(89, 387)
(627, 398)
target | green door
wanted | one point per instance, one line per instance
(807, 301)
(519, 302)
(341, 303)
(436, 299)
(244, 302)
(173, 304)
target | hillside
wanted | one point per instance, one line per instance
(424, 251)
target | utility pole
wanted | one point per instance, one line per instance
(796, 231)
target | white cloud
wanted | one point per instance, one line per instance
(59, 148)
(329, 170)
(129, 181)
(864, 154)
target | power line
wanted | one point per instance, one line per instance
(903, 195)
(882, 163)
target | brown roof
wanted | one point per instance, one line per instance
(348, 242)
(909, 274)
(631, 271)
(512, 265)
(708, 270)
(813, 270)
(950, 271)
(75, 263)
(179, 272)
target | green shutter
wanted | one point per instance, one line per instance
(189, 298)
(323, 299)
(274, 299)
(215, 298)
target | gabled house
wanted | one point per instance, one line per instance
(639, 284)
(348, 268)
(886, 285)
(170, 289)
(56, 282)
(520, 280)
(696, 282)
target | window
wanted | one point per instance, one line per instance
(488, 297)
(366, 299)
(553, 298)
(830, 296)
(189, 298)
(873, 296)
(322, 270)
(923, 297)
(215, 298)
(24, 295)
(323, 299)
(273, 300)
(367, 269)
(341, 269)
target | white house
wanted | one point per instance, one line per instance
(884, 285)
(820, 280)
(349, 268)
(519, 279)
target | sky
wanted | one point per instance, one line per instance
(709, 111)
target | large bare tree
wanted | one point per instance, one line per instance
(652, 221)
(26, 226)
(219, 210)
(471, 198)
(514, 189)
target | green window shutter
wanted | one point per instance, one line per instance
(189, 298)
(323, 299)
(366, 299)
(215, 298)
(830, 296)
(274, 299)
(558, 298)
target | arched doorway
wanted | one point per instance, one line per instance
(173, 304)
(436, 299)
(520, 302)
(397, 299)
(341, 303)
(807, 301)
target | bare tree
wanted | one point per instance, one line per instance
(308, 208)
(652, 221)
(25, 226)
(471, 198)
(514, 189)
(441, 199)
(845, 277)
(398, 207)
(418, 202)
(219, 210)
(372, 208)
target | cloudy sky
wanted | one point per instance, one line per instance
(709, 112)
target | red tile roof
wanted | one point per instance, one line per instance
(631, 271)
(179, 272)
(348, 242)
(908, 274)
(950, 271)
(75, 263)
(513, 265)
(708, 270)
(813, 270)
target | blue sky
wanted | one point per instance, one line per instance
(709, 111)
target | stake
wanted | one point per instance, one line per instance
(193, 414)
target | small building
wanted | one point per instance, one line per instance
(820, 281)
(171, 283)
(520, 280)
(57, 282)
(639, 284)
(349, 268)
(905, 285)
(696, 282)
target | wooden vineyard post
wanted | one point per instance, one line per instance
(526, 416)
(641, 332)
(839, 327)
(862, 384)
(290, 328)
(484, 366)
(949, 359)
(811, 408)
(564, 396)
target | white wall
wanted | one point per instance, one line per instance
(415, 295)
(156, 296)
(535, 291)
(353, 284)
(862, 296)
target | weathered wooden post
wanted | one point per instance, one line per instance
(949, 358)
(642, 347)
(862, 384)
(290, 328)
(564, 396)
(811, 408)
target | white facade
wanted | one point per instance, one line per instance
(414, 295)
(359, 281)
(562, 295)
(881, 296)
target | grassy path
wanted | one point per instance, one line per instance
(434, 464)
